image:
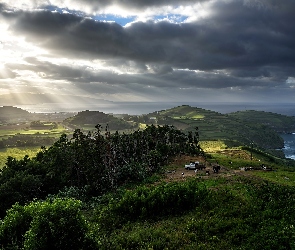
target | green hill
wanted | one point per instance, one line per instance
(216, 126)
(12, 114)
(89, 119)
(278, 122)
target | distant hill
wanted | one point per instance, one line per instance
(243, 127)
(216, 126)
(10, 113)
(88, 119)
(280, 123)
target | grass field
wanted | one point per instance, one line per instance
(6, 131)
(17, 153)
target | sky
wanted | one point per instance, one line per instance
(94, 53)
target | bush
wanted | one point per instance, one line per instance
(46, 225)
(152, 202)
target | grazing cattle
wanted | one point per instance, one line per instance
(265, 168)
(216, 168)
(199, 166)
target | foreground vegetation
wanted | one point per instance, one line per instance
(228, 210)
(99, 190)
(240, 212)
(100, 162)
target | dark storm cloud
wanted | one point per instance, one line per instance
(248, 42)
(110, 82)
(72, 35)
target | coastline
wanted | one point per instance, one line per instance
(289, 145)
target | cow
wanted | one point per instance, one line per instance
(216, 168)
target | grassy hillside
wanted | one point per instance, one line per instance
(179, 209)
(215, 126)
(89, 119)
(280, 123)
(232, 209)
(243, 127)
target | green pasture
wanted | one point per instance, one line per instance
(4, 133)
(17, 153)
(212, 146)
(20, 152)
(282, 177)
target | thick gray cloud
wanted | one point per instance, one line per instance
(238, 45)
(236, 36)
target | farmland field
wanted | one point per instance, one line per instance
(17, 153)
(9, 131)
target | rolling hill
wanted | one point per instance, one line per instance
(257, 128)
(231, 127)
(280, 123)
(89, 119)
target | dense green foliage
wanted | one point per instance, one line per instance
(237, 213)
(151, 202)
(100, 162)
(223, 213)
(57, 224)
(23, 140)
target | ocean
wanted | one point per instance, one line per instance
(138, 108)
(289, 145)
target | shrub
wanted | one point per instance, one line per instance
(46, 225)
(152, 202)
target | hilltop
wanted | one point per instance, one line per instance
(233, 128)
(89, 119)
(280, 123)
(9, 113)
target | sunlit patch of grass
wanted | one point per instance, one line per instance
(179, 117)
(142, 125)
(197, 117)
(212, 146)
(6, 133)
(277, 176)
(17, 153)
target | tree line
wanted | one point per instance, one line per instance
(23, 140)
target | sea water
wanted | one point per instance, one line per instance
(138, 108)
(289, 145)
